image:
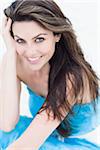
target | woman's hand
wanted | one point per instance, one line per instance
(8, 39)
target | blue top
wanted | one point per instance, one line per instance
(83, 124)
(84, 127)
(84, 120)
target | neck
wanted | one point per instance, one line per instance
(43, 71)
(25, 75)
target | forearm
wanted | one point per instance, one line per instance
(37, 132)
(9, 104)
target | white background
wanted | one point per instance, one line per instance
(84, 15)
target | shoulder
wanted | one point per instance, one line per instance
(70, 94)
(83, 96)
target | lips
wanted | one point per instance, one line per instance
(34, 60)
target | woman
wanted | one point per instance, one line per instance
(43, 53)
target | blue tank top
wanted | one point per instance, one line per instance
(84, 119)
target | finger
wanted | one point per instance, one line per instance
(8, 25)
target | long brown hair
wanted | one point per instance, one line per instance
(68, 59)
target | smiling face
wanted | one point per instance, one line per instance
(34, 44)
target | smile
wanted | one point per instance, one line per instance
(34, 60)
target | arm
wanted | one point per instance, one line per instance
(35, 135)
(9, 84)
(40, 128)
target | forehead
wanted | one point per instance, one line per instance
(28, 28)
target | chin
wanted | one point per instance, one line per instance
(35, 68)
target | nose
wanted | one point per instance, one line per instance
(31, 50)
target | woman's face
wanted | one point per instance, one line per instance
(34, 44)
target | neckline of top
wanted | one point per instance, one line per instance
(77, 104)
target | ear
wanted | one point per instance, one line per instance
(57, 37)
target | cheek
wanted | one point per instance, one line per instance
(19, 50)
(49, 48)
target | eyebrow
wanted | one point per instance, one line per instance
(33, 37)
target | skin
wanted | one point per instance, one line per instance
(7, 77)
(38, 44)
(25, 70)
(34, 74)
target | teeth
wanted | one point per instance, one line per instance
(33, 59)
